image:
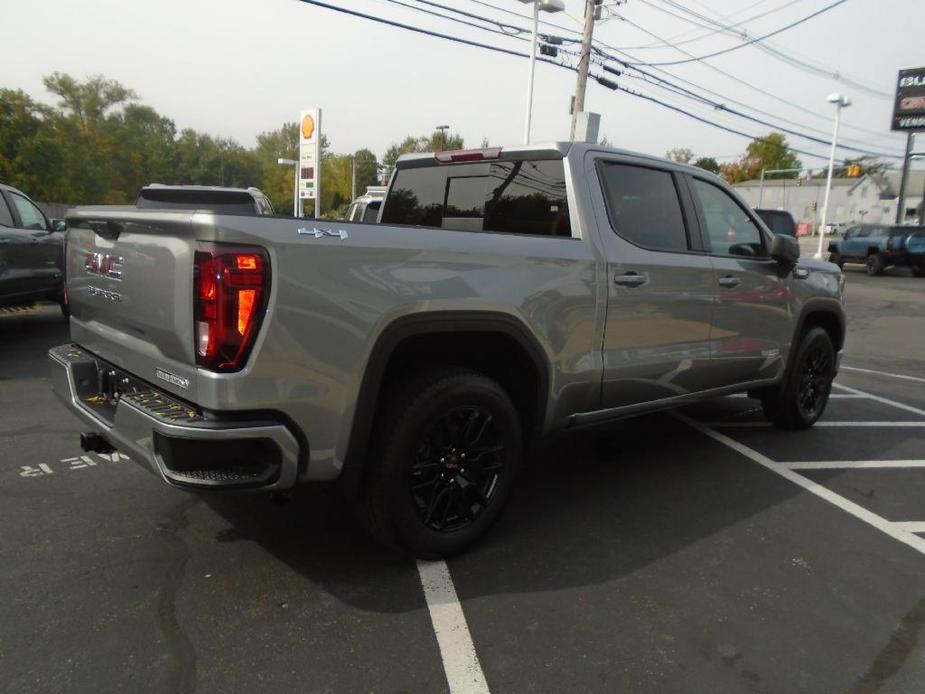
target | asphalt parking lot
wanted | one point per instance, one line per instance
(698, 552)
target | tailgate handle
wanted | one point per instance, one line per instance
(106, 228)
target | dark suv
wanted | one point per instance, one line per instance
(31, 252)
(249, 201)
(880, 246)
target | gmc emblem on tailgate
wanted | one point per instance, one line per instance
(104, 265)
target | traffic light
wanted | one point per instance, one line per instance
(854, 170)
(814, 205)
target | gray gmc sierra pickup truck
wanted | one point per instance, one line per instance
(503, 294)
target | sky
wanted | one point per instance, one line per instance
(235, 68)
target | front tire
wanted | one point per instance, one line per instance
(799, 401)
(448, 446)
(875, 264)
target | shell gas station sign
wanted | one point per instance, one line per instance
(310, 155)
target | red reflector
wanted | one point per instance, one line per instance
(468, 155)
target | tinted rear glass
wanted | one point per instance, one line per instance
(918, 232)
(220, 201)
(643, 206)
(519, 197)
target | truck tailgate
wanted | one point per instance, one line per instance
(130, 283)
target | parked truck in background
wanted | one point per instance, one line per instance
(880, 246)
(504, 295)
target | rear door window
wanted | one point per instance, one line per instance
(730, 230)
(643, 206)
(514, 197)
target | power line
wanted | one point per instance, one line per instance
(755, 39)
(633, 62)
(598, 78)
(767, 47)
(711, 30)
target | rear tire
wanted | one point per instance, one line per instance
(447, 451)
(875, 264)
(800, 400)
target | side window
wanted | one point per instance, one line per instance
(372, 212)
(6, 219)
(643, 206)
(729, 229)
(31, 216)
(864, 232)
(852, 232)
(514, 197)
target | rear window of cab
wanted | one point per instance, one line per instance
(514, 197)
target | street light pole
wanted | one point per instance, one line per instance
(528, 117)
(442, 129)
(296, 202)
(840, 102)
(545, 6)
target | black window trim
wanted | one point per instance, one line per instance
(691, 233)
(705, 236)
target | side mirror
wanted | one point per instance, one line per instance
(785, 250)
(58, 225)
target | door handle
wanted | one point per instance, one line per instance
(631, 279)
(729, 281)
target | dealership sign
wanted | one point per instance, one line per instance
(909, 110)
(309, 153)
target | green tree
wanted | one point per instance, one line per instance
(424, 143)
(682, 155)
(367, 170)
(708, 164)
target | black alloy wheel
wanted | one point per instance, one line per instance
(456, 469)
(801, 397)
(447, 448)
(815, 380)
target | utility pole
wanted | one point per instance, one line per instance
(901, 202)
(353, 180)
(584, 63)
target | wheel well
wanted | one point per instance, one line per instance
(872, 250)
(497, 355)
(515, 362)
(829, 322)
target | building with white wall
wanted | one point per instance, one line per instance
(871, 198)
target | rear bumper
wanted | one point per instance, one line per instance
(184, 446)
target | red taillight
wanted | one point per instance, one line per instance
(231, 292)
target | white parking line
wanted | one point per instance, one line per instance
(885, 401)
(460, 661)
(762, 425)
(841, 396)
(892, 529)
(883, 373)
(912, 526)
(853, 464)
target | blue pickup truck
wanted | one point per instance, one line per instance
(879, 246)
